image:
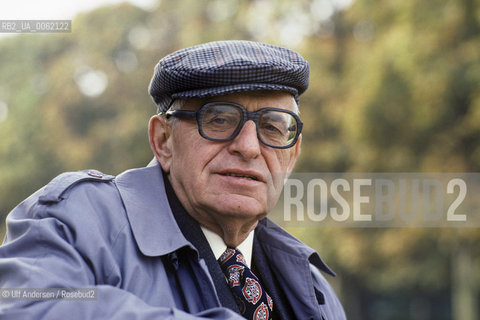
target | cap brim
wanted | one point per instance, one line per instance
(220, 91)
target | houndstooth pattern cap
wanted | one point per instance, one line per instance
(224, 67)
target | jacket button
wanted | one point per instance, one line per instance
(173, 260)
(95, 174)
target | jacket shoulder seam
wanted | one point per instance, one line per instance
(56, 190)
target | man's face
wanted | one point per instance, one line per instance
(238, 179)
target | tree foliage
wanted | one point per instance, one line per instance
(394, 88)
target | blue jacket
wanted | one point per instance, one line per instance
(118, 236)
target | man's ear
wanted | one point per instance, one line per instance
(160, 141)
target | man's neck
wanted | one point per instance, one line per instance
(218, 246)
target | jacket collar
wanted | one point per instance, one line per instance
(293, 265)
(274, 238)
(148, 211)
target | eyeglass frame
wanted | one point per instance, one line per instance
(246, 115)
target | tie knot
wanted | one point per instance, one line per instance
(232, 256)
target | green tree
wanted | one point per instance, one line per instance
(394, 88)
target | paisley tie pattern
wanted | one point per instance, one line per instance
(253, 301)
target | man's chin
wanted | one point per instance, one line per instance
(240, 206)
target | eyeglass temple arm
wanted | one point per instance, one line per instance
(185, 114)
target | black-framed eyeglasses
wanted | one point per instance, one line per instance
(223, 121)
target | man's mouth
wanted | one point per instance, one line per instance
(240, 176)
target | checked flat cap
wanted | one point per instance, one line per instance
(224, 67)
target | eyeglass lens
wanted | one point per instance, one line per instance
(274, 128)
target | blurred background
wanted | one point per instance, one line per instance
(394, 88)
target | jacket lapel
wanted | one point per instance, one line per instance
(290, 261)
(148, 211)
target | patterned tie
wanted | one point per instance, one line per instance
(253, 301)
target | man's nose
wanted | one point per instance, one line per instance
(246, 142)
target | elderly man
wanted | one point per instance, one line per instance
(186, 237)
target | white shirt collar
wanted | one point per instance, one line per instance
(218, 245)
